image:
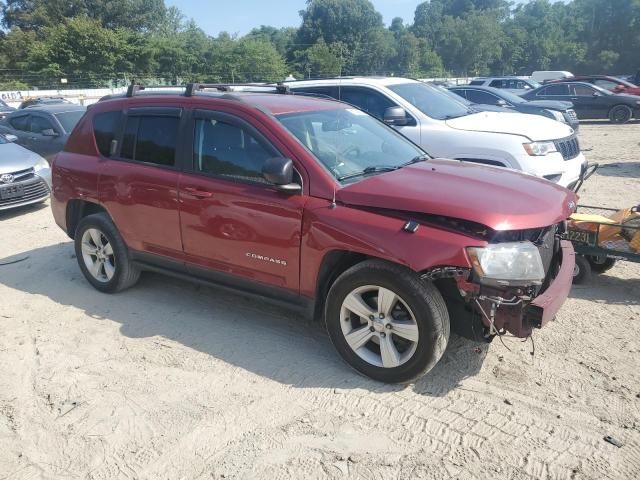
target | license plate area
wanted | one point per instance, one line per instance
(583, 237)
(8, 192)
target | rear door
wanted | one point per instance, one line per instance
(139, 177)
(234, 224)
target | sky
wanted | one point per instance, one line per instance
(240, 16)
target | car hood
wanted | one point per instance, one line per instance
(550, 104)
(495, 197)
(535, 128)
(13, 158)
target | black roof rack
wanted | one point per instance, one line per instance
(194, 88)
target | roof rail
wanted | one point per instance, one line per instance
(194, 88)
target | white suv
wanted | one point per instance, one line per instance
(447, 128)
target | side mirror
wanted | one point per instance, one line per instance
(49, 132)
(597, 94)
(10, 138)
(396, 116)
(501, 103)
(279, 172)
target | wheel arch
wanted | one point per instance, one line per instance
(77, 210)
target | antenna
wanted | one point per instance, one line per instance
(333, 202)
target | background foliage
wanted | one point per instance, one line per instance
(111, 42)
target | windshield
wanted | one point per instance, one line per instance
(431, 101)
(68, 120)
(350, 142)
(534, 84)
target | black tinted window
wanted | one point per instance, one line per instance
(582, 90)
(367, 100)
(476, 82)
(498, 84)
(105, 128)
(560, 89)
(221, 148)
(151, 140)
(38, 124)
(20, 123)
(477, 96)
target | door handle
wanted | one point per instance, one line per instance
(201, 194)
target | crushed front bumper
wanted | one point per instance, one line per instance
(517, 311)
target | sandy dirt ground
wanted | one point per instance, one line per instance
(174, 381)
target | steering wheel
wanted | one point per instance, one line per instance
(351, 151)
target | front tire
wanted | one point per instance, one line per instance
(620, 114)
(102, 255)
(386, 322)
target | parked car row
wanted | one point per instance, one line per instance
(592, 96)
(447, 128)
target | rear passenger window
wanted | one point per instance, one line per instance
(151, 140)
(228, 150)
(105, 129)
(20, 123)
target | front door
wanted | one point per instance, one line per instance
(44, 136)
(588, 101)
(233, 222)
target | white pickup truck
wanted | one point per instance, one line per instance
(447, 128)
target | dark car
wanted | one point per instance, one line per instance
(45, 129)
(590, 101)
(314, 202)
(5, 109)
(560, 111)
(41, 101)
(613, 84)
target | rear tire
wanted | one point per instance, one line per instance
(386, 322)
(582, 270)
(102, 255)
(620, 114)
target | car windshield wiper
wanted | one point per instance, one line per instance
(418, 159)
(383, 168)
(368, 171)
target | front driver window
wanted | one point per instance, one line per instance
(39, 124)
(366, 99)
(228, 150)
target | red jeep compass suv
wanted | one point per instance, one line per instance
(317, 203)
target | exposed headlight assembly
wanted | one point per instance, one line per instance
(539, 149)
(508, 264)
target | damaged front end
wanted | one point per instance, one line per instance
(517, 283)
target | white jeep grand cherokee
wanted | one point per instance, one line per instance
(446, 128)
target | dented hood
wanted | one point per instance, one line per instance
(498, 198)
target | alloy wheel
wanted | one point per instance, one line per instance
(98, 256)
(379, 326)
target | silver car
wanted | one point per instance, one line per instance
(25, 177)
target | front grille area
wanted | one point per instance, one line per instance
(22, 175)
(572, 115)
(33, 190)
(568, 147)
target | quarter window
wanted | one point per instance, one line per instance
(150, 139)
(224, 149)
